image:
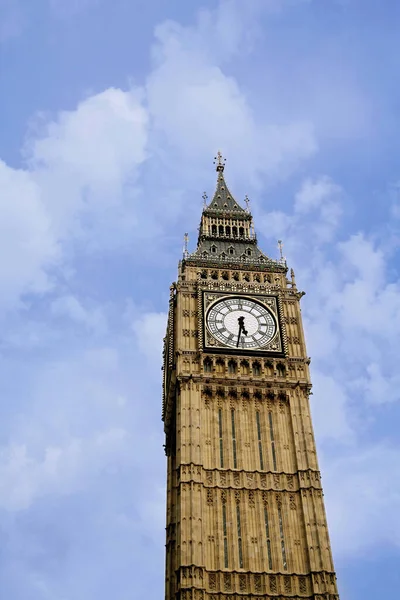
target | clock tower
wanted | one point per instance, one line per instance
(245, 508)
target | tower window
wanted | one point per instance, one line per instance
(228, 230)
(220, 365)
(236, 276)
(269, 367)
(207, 365)
(225, 536)
(225, 276)
(234, 231)
(239, 532)
(233, 438)
(221, 442)
(268, 538)
(271, 433)
(282, 539)
(231, 250)
(281, 370)
(241, 231)
(214, 275)
(248, 251)
(203, 275)
(257, 278)
(232, 367)
(244, 367)
(214, 230)
(256, 369)
(260, 452)
(213, 249)
(221, 230)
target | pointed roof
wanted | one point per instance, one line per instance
(226, 232)
(223, 201)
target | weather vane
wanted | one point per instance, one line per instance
(219, 161)
(204, 196)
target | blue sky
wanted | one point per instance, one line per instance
(111, 114)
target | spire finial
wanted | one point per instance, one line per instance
(185, 245)
(204, 196)
(247, 202)
(280, 246)
(219, 161)
(293, 279)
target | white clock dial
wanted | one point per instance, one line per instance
(241, 323)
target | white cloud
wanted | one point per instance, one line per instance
(69, 306)
(213, 110)
(61, 469)
(149, 331)
(28, 243)
(314, 193)
(361, 491)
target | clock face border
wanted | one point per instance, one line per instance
(275, 347)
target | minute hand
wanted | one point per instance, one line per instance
(238, 339)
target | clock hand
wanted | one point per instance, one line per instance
(241, 329)
(238, 339)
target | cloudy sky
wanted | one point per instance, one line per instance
(111, 112)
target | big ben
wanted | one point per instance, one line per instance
(245, 508)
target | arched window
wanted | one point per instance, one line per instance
(232, 367)
(256, 277)
(214, 230)
(236, 276)
(246, 277)
(248, 251)
(281, 370)
(203, 275)
(228, 230)
(225, 275)
(221, 230)
(269, 367)
(220, 364)
(214, 275)
(234, 231)
(213, 249)
(207, 365)
(256, 369)
(241, 231)
(244, 367)
(231, 250)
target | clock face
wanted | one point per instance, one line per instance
(241, 323)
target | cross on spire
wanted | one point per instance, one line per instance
(247, 202)
(219, 161)
(204, 196)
